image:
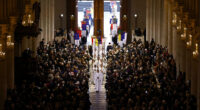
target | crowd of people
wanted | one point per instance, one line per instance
(143, 77)
(60, 83)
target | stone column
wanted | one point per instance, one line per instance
(30, 43)
(198, 96)
(52, 19)
(3, 68)
(99, 17)
(10, 67)
(12, 7)
(188, 64)
(183, 56)
(174, 37)
(165, 24)
(72, 15)
(158, 21)
(24, 44)
(3, 11)
(42, 17)
(154, 19)
(194, 75)
(47, 20)
(151, 19)
(10, 54)
(178, 58)
(170, 28)
(3, 83)
(147, 20)
(187, 4)
(161, 21)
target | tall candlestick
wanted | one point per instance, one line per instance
(0, 47)
(9, 38)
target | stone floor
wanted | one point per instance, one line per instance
(98, 100)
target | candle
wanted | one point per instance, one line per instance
(9, 38)
(0, 47)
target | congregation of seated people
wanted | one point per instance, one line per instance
(60, 83)
(144, 77)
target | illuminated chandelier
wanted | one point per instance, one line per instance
(184, 34)
(179, 25)
(174, 20)
(189, 42)
(9, 41)
(27, 20)
(196, 51)
(2, 54)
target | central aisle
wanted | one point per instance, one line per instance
(98, 99)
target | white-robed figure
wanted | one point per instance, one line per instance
(98, 80)
(71, 34)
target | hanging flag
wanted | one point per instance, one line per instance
(119, 37)
(122, 36)
(86, 21)
(83, 25)
(79, 33)
(96, 42)
(76, 36)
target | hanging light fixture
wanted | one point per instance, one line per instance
(2, 54)
(72, 17)
(179, 25)
(27, 20)
(9, 42)
(174, 20)
(184, 34)
(189, 42)
(124, 17)
(196, 51)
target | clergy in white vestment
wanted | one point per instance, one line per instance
(71, 34)
(98, 80)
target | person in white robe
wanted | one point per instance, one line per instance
(98, 80)
(71, 34)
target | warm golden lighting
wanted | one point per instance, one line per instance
(174, 20)
(179, 25)
(196, 51)
(189, 43)
(0, 47)
(183, 36)
(9, 42)
(124, 17)
(2, 54)
(72, 17)
(27, 20)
